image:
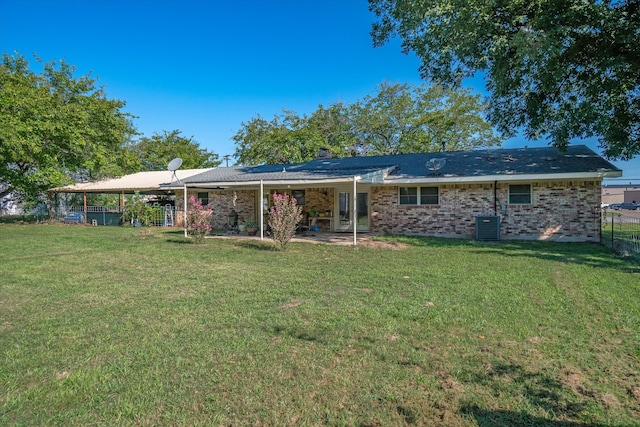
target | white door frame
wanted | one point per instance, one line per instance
(352, 200)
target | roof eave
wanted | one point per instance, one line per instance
(236, 184)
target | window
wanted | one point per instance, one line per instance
(204, 198)
(520, 194)
(299, 195)
(408, 196)
(418, 196)
(428, 195)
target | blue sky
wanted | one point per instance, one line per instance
(204, 67)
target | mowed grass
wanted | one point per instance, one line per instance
(123, 326)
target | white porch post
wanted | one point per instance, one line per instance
(184, 217)
(355, 210)
(261, 210)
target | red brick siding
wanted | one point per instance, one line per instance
(563, 210)
(560, 210)
(221, 202)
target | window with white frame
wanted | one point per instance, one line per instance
(428, 195)
(418, 196)
(520, 194)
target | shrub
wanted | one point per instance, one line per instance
(284, 217)
(138, 209)
(198, 219)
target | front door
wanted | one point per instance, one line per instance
(344, 208)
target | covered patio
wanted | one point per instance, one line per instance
(143, 183)
(334, 201)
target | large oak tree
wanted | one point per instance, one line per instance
(54, 125)
(397, 119)
(557, 69)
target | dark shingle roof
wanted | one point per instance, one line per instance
(460, 164)
(515, 161)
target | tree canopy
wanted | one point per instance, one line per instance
(53, 124)
(399, 118)
(154, 153)
(557, 69)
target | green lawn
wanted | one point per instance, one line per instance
(123, 326)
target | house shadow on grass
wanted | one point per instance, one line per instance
(591, 254)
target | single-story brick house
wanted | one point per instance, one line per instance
(524, 193)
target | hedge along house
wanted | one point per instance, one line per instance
(526, 193)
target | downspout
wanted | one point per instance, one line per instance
(355, 210)
(184, 217)
(85, 208)
(261, 210)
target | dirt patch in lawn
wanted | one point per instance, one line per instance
(291, 304)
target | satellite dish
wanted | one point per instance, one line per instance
(436, 164)
(174, 164)
(173, 167)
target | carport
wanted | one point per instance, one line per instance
(144, 183)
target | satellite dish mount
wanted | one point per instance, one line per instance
(173, 166)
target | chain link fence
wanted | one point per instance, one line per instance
(621, 232)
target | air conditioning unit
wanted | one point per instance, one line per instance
(488, 228)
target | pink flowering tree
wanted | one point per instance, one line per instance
(198, 219)
(284, 217)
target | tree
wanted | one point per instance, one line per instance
(561, 69)
(53, 124)
(284, 217)
(156, 152)
(404, 119)
(399, 118)
(198, 219)
(287, 138)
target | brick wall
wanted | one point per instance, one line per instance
(222, 201)
(563, 210)
(560, 210)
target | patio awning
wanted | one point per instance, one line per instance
(253, 177)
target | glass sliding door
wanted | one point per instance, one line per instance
(344, 208)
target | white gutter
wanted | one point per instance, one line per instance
(230, 184)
